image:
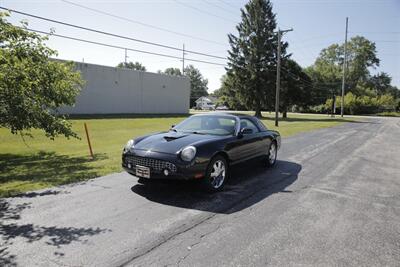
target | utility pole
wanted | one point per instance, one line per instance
(344, 69)
(183, 59)
(126, 56)
(333, 107)
(278, 75)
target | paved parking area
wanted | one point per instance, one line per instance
(332, 199)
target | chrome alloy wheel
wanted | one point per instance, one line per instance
(272, 154)
(217, 175)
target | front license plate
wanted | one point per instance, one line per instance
(142, 171)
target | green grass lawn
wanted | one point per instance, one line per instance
(389, 114)
(42, 163)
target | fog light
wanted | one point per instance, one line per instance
(166, 172)
(129, 166)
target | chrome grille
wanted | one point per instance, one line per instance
(154, 164)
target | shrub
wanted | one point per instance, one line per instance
(364, 104)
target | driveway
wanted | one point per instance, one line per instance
(332, 199)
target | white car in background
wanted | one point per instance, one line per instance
(222, 108)
(208, 106)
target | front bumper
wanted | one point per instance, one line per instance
(157, 162)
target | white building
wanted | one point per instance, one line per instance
(110, 90)
(205, 103)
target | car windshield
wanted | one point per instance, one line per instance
(214, 125)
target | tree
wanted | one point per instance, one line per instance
(295, 86)
(198, 84)
(326, 73)
(173, 71)
(361, 56)
(32, 85)
(320, 89)
(381, 84)
(252, 57)
(327, 69)
(366, 104)
(131, 65)
(227, 94)
(394, 91)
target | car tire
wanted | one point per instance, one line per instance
(272, 155)
(216, 175)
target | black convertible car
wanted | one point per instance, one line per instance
(203, 147)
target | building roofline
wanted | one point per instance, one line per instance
(119, 68)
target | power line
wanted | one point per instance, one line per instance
(202, 11)
(300, 49)
(377, 32)
(114, 46)
(141, 23)
(297, 77)
(387, 41)
(110, 34)
(308, 82)
(227, 4)
(218, 6)
(120, 47)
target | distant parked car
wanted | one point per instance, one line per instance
(208, 106)
(222, 108)
(203, 146)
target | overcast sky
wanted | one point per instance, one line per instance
(203, 25)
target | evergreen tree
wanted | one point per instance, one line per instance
(295, 86)
(227, 94)
(198, 84)
(252, 57)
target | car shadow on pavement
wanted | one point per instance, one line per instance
(249, 183)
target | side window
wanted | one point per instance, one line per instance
(228, 124)
(246, 123)
(261, 125)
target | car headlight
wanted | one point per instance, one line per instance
(129, 145)
(188, 153)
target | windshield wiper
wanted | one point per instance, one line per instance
(197, 132)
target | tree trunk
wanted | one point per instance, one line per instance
(258, 112)
(284, 112)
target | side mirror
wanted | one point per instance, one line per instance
(245, 131)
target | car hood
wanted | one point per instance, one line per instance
(171, 142)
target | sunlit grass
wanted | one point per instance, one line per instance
(42, 163)
(389, 114)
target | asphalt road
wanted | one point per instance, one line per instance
(332, 199)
